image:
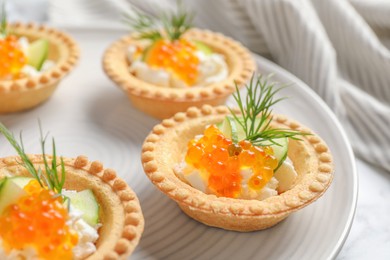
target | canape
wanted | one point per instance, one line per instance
(223, 174)
(64, 208)
(167, 70)
(35, 58)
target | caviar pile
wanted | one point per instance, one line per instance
(223, 161)
(177, 57)
(12, 58)
(38, 220)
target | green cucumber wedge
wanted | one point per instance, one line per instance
(85, 202)
(147, 51)
(37, 53)
(229, 128)
(10, 192)
(2, 181)
(203, 47)
(21, 181)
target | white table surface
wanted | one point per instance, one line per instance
(369, 237)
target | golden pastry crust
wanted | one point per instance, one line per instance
(28, 92)
(162, 102)
(120, 211)
(166, 146)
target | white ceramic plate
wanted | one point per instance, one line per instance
(88, 115)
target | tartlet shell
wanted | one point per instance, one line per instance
(166, 145)
(120, 211)
(28, 92)
(162, 102)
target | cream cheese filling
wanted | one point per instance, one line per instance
(212, 68)
(283, 180)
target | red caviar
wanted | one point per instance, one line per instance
(224, 160)
(177, 57)
(38, 220)
(12, 58)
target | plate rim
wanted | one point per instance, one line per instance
(355, 185)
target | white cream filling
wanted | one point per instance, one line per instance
(286, 175)
(87, 236)
(211, 69)
(282, 180)
(154, 76)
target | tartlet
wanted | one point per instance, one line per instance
(166, 145)
(28, 92)
(161, 102)
(120, 211)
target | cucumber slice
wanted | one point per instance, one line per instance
(229, 128)
(37, 53)
(147, 51)
(240, 131)
(280, 149)
(10, 192)
(21, 181)
(203, 47)
(85, 202)
(2, 182)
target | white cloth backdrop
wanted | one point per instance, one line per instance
(335, 46)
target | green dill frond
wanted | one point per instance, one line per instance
(50, 177)
(270, 134)
(171, 25)
(149, 35)
(139, 21)
(176, 24)
(3, 22)
(54, 180)
(26, 162)
(145, 25)
(256, 112)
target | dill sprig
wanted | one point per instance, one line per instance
(50, 177)
(171, 25)
(176, 24)
(256, 113)
(145, 25)
(53, 180)
(3, 22)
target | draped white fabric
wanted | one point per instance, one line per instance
(335, 46)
